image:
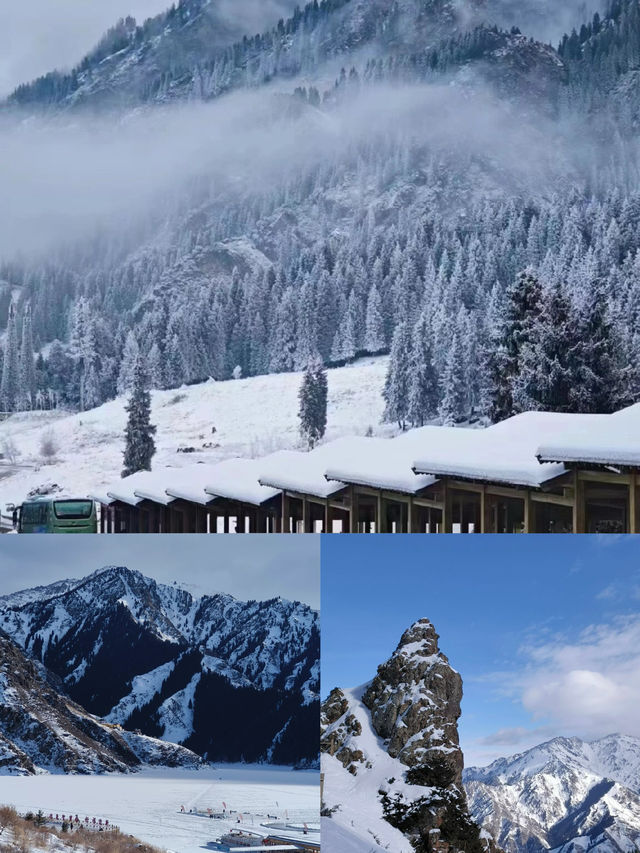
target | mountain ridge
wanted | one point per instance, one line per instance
(565, 794)
(150, 656)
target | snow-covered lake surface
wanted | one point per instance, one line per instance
(251, 417)
(148, 804)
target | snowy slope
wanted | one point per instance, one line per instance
(41, 730)
(353, 798)
(565, 794)
(152, 657)
(90, 444)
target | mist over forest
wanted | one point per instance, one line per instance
(455, 183)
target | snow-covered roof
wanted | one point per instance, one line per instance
(383, 463)
(237, 480)
(597, 440)
(504, 453)
(144, 485)
(189, 484)
(304, 472)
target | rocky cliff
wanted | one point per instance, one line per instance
(391, 754)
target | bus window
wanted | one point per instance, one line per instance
(35, 513)
(73, 509)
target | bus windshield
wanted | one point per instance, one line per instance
(73, 509)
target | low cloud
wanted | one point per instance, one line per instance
(60, 179)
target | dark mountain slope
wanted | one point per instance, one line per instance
(41, 728)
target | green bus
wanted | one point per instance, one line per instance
(47, 515)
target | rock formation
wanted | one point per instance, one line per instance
(397, 738)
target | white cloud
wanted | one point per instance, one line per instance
(589, 686)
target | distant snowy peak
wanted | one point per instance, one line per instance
(565, 794)
(615, 757)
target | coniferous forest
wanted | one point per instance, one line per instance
(447, 190)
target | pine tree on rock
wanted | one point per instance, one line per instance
(27, 367)
(313, 398)
(396, 388)
(139, 443)
(9, 388)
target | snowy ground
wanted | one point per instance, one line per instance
(357, 820)
(252, 418)
(148, 804)
(339, 839)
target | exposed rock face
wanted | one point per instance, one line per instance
(41, 728)
(398, 737)
(335, 710)
(415, 702)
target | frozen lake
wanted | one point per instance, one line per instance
(148, 804)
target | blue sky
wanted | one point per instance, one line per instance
(544, 630)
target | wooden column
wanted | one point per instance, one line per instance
(353, 513)
(579, 509)
(528, 513)
(447, 509)
(381, 521)
(286, 523)
(306, 516)
(410, 519)
(633, 513)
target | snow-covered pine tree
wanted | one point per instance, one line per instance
(396, 388)
(517, 318)
(548, 360)
(603, 376)
(139, 443)
(128, 363)
(453, 406)
(154, 367)
(374, 339)
(10, 388)
(424, 393)
(313, 396)
(27, 367)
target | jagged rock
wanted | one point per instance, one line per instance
(415, 702)
(391, 753)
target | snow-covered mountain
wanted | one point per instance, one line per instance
(566, 795)
(360, 176)
(41, 729)
(189, 670)
(391, 757)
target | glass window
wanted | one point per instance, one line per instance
(73, 509)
